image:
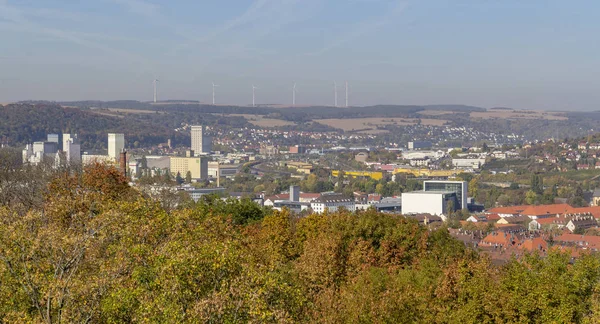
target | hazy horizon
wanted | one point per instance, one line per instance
(485, 54)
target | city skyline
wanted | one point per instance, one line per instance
(513, 54)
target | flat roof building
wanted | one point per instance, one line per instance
(428, 202)
(201, 143)
(459, 187)
(197, 166)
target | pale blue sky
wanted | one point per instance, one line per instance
(524, 54)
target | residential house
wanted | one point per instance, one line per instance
(477, 219)
(426, 219)
(586, 242)
(548, 223)
(583, 166)
(499, 240)
(579, 222)
(522, 220)
(596, 197)
(534, 244)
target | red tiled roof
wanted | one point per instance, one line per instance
(595, 211)
(550, 220)
(493, 217)
(500, 239)
(534, 244)
(585, 241)
(547, 210)
(508, 210)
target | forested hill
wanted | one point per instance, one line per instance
(25, 123)
(292, 114)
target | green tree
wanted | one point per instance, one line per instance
(530, 197)
(188, 177)
(179, 179)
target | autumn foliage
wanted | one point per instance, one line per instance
(99, 251)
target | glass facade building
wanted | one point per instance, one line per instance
(458, 187)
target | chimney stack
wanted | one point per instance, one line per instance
(123, 162)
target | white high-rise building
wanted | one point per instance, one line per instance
(72, 150)
(201, 143)
(116, 143)
(66, 138)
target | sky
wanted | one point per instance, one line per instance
(537, 54)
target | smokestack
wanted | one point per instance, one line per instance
(123, 162)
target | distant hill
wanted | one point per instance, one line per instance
(24, 123)
(455, 108)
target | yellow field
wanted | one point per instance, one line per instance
(435, 112)
(519, 114)
(370, 124)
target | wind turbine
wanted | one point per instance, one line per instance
(294, 95)
(335, 94)
(154, 82)
(213, 92)
(254, 96)
(346, 94)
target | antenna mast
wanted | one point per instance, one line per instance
(253, 96)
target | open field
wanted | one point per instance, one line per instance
(373, 131)
(366, 124)
(435, 112)
(132, 111)
(260, 121)
(519, 114)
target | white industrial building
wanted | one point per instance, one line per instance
(468, 163)
(461, 188)
(427, 202)
(116, 143)
(71, 148)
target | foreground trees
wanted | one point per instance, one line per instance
(98, 251)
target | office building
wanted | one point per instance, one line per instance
(197, 166)
(429, 202)
(458, 187)
(116, 143)
(201, 143)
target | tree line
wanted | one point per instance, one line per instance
(94, 249)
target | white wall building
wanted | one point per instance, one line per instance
(426, 202)
(468, 163)
(332, 203)
(116, 143)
